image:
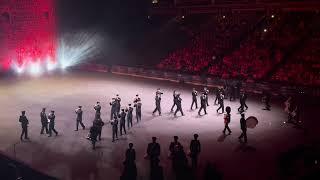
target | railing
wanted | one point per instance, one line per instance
(249, 86)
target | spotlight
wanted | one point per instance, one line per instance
(182, 17)
(272, 16)
(223, 17)
(51, 65)
(35, 68)
(265, 30)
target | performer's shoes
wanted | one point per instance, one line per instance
(49, 136)
(76, 130)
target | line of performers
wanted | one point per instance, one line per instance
(119, 117)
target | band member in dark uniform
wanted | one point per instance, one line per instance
(221, 103)
(97, 107)
(24, 125)
(113, 105)
(137, 105)
(94, 131)
(114, 124)
(79, 118)
(130, 169)
(203, 103)
(206, 92)
(118, 104)
(194, 98)
(243, 127)
(52, 118)
(266, 100)
(99, 124)
(158, 103)
(129, 116)
(44, 121)
(122, 117)
(153, 151)
(174, 100)
(217, 92)
(179, 107)
(195, 149)
(227, 120)
(243, 98)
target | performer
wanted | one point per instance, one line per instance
(217, 92)
(44, 121)
(114, 124)
(118, 104)
(266, 100)
(221, 103)
(206, 92)
(122, 117)
(137, 105)
(203, 104)
(113, 105)
(243, 98)
(174, 100)
(79, 118)
(52, 118)
(194, 98)
(24, 125)
(98, 123)
(175, 148)
(130, 169)
(243, 127)
(178, 103)
(195, 149)
(97, 107)
(129, 116)
(227, 120)
(158, 103)
(94, 131)
(153, 151)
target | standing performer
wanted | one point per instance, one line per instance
(93, 135)
(129, 116)
(44, 121)
(221, 103)
(227, 120)
(243, 127)
(79, 118)
(194, 98)
(158, 103)
(243, 98)
(266, 100)
(195, 148)
(113, 105)
(114, 124)
(52, 118)
(118, 104)
(203, 104)
(98, 123)
(24, 125)
(137, 105)
(217, 92)
(97, 107)
(174, 100)
(153, 151)
(122, 117)
(206, 92)
(179, 107)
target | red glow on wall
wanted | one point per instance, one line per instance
(28, 31)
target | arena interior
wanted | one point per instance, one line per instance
(60, 55)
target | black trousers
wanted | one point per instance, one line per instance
(158, 108)
(80, 122)
(129, 122)
(24, 132)
(207, 100)
(217, 99)
(194, 101)
(113, 113)
(138, 116)
(243, 135)
(177, 110)
(51, 128)
(221, 107)
(194, 160)
(122, 126)
(204, 108)
(44, 127)
(226, 127)
(114, 133)
(174, 104)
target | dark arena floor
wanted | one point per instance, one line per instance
(69, 155)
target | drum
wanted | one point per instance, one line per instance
(251, 122)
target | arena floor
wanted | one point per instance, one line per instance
(69, 155)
